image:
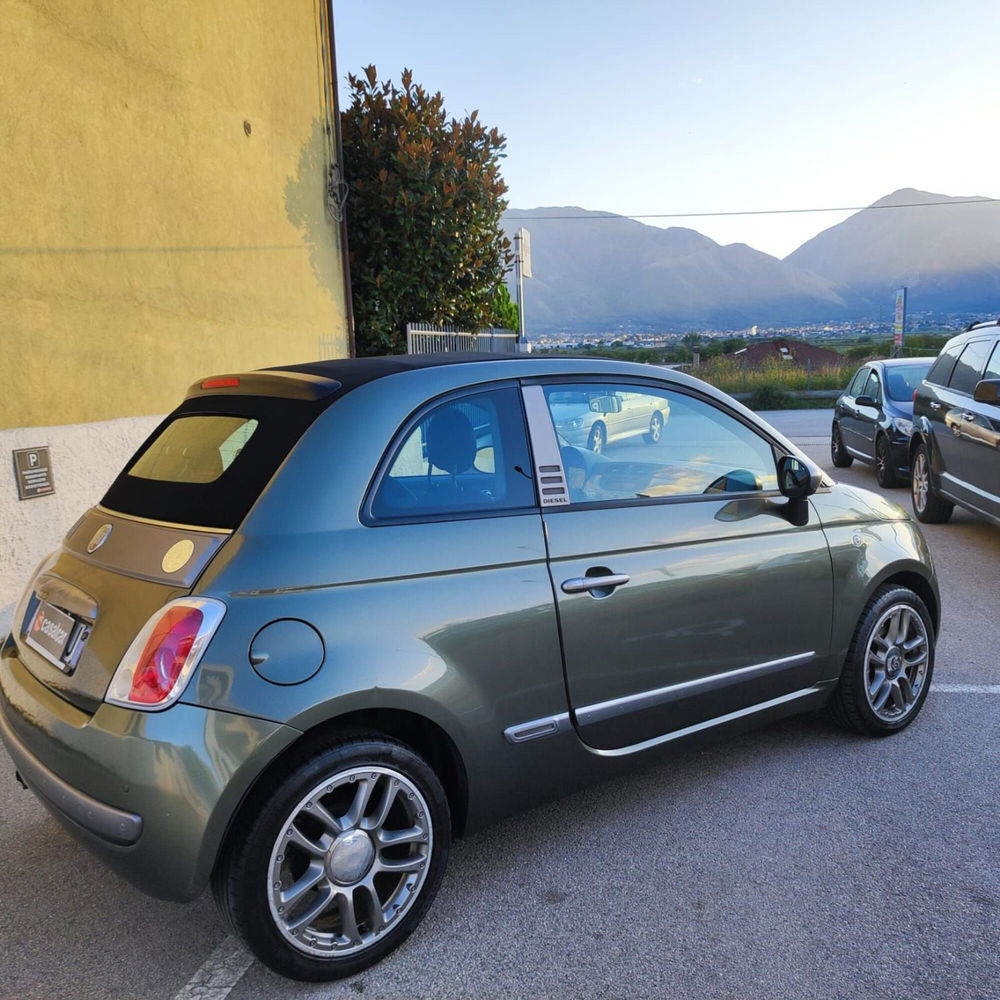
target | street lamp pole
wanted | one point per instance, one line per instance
(522, 269)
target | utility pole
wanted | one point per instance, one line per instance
(522, 269)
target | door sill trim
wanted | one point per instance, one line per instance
(707, 724)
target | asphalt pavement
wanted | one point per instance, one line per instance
(794, 862)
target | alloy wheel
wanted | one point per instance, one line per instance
(350, 861)
(920, 482)
(655, 428)
(896, 663)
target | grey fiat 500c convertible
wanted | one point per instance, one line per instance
(332, 615)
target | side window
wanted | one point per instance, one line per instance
(944, 365)
(993, 366)
(468, 455)
(873, 388)
(970, 365)
(618, 443)
(858, 382)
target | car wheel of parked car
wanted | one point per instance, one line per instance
(655, 428)
(889, 665)
(927, 505)
(342, 855)
(598, 439)
(838, 453)
(885, 474)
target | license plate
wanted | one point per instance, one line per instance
(49, 633)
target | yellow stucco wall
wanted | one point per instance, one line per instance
(145, 238)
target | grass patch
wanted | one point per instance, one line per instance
(773, 376)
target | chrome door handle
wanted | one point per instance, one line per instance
(934, 406)
(581, 584)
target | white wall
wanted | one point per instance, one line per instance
(85, 459)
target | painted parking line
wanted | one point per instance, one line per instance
(219, 973)
(966, 688)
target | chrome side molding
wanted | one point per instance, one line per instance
(600, 712)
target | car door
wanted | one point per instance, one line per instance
(870, 416)
(981, 433)
(958, 446)
(685, 590)
(847, 410)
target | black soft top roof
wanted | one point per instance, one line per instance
(353, 372)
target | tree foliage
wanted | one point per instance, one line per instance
(505, 315)
(423, 217)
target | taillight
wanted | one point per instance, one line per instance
(155, 669)
(225, 382)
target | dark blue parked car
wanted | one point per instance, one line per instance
(873, 418)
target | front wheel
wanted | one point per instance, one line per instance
(655, 431)
(340, 861)
(927, 505)
(889, 665)
(838, 453)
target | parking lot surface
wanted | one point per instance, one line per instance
(796, 861)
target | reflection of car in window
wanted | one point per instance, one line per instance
(594, 418)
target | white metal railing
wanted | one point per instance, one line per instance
(425, 338)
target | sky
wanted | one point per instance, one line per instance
(640, 107)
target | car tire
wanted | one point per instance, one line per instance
(838, 453)
(885, 474)
(598, 438)
(342, 854)
(889, 665)
(655, 431)
(928, 506)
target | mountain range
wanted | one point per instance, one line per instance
(596, 274)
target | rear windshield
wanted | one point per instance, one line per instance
(902, 380)
(194, 449)
(210, 460)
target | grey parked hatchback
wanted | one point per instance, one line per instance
(331, 616)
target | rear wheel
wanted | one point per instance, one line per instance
(838, 453)
(598, 439)
(927, 504)
(885, 474)
(889, 665)
(340, 860)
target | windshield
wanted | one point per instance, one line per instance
(902, 381)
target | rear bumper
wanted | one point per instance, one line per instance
(103, 821)
(151, 794)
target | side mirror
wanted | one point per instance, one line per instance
(797, 479)
(866, 401)
(987, 391)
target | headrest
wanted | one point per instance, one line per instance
(451, 441)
